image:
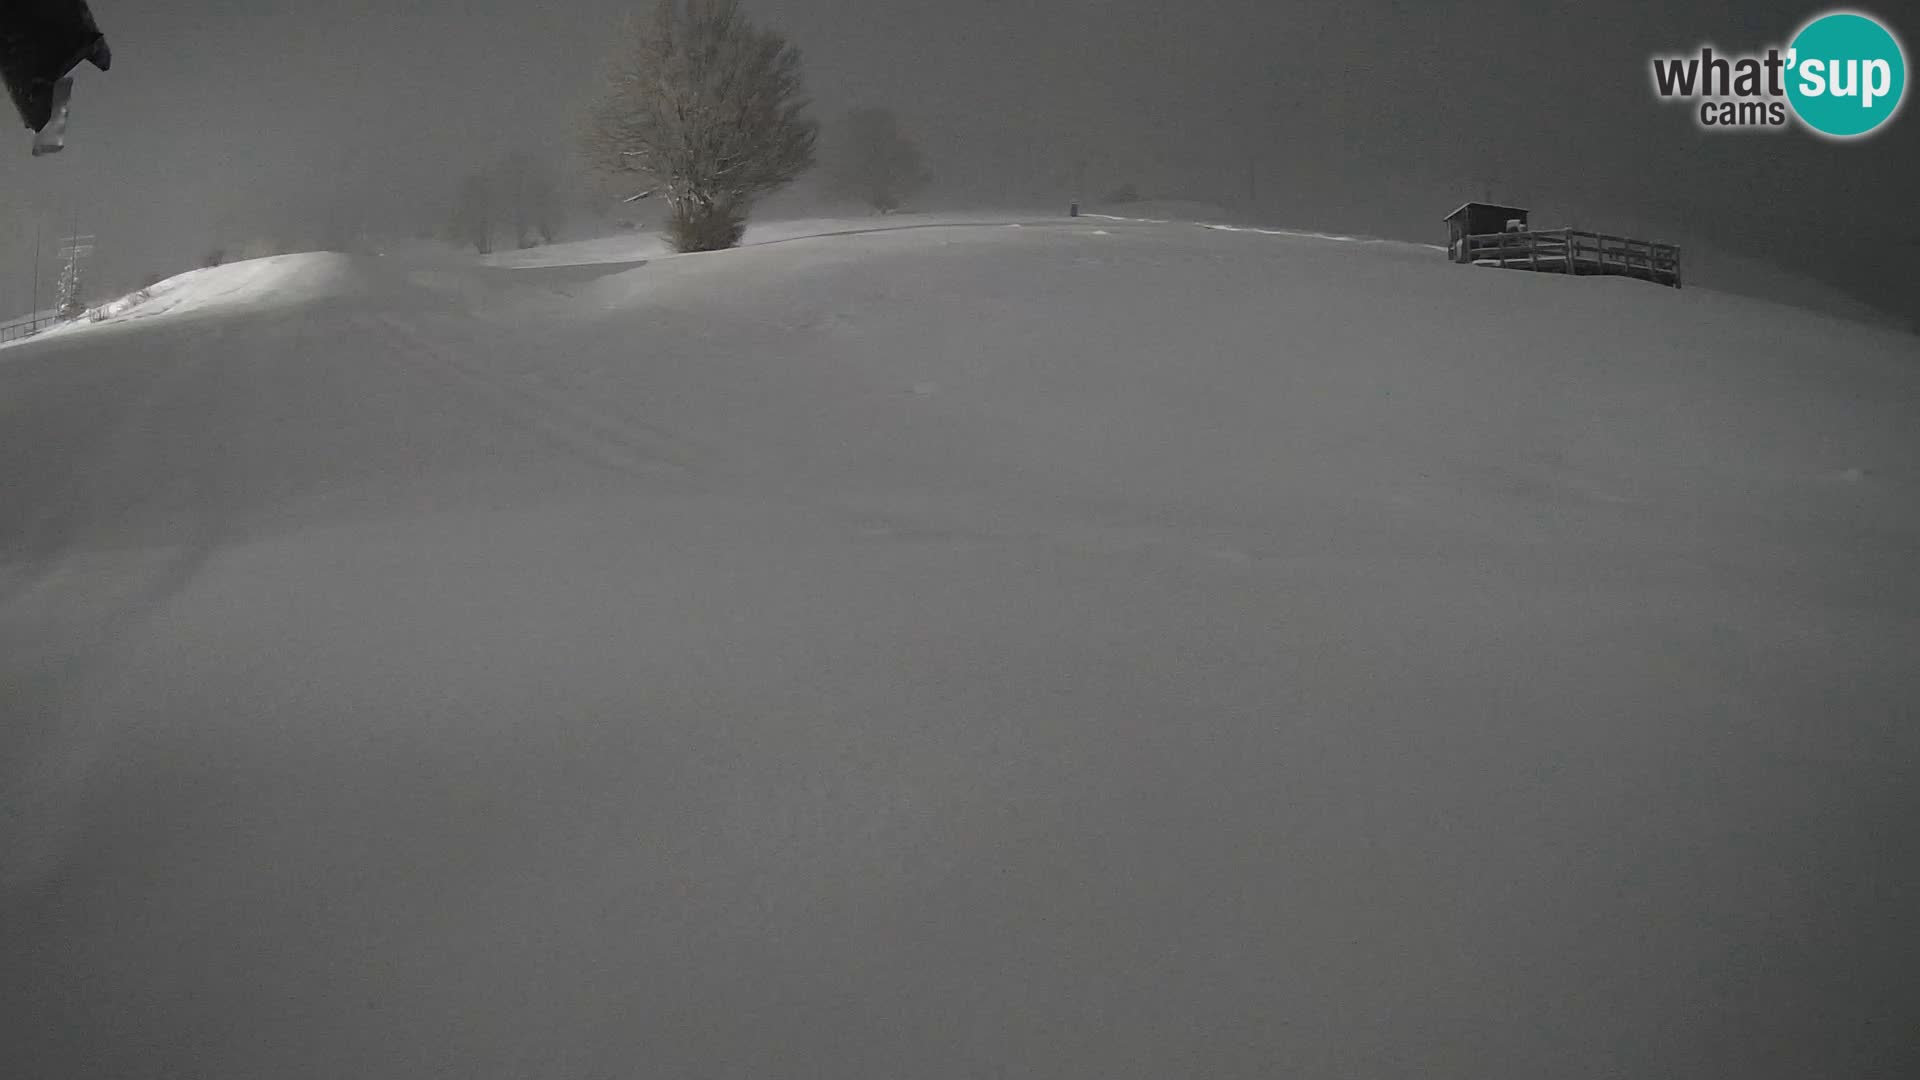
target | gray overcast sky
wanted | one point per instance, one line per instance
(1372, 115)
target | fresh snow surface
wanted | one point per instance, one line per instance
(1081, 650)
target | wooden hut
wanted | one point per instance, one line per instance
(1486, 234)
(1480, 219)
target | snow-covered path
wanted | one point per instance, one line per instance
(1090, 649)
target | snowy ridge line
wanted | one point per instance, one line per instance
(910, 228)
(1301, 233)
(598, 252)
(822, 235)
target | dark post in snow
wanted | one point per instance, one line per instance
(33, 322)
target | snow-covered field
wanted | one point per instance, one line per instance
(1039, 649)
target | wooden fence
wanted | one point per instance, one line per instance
(1570, 251)
(23, 327)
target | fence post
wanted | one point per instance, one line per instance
(34, 327)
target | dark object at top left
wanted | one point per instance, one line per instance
(41, 42)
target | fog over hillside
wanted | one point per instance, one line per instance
(290, 122)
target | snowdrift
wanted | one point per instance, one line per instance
(1033, 648)
(254, 284)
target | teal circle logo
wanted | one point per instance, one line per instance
(1848, 75)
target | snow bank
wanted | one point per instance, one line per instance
(626, 247)
(253, 284)
(249, 285)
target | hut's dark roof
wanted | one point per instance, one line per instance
(1464, 207)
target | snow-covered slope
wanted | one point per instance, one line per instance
(1071, 649)
(280, 281)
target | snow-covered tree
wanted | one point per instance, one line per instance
(873, 160)
(709, 109)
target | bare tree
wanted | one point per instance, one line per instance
(873, 160)
(532, 201)
(709, 109)
(473, 214)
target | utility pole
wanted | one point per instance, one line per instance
(33, 322)
(72, 301)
